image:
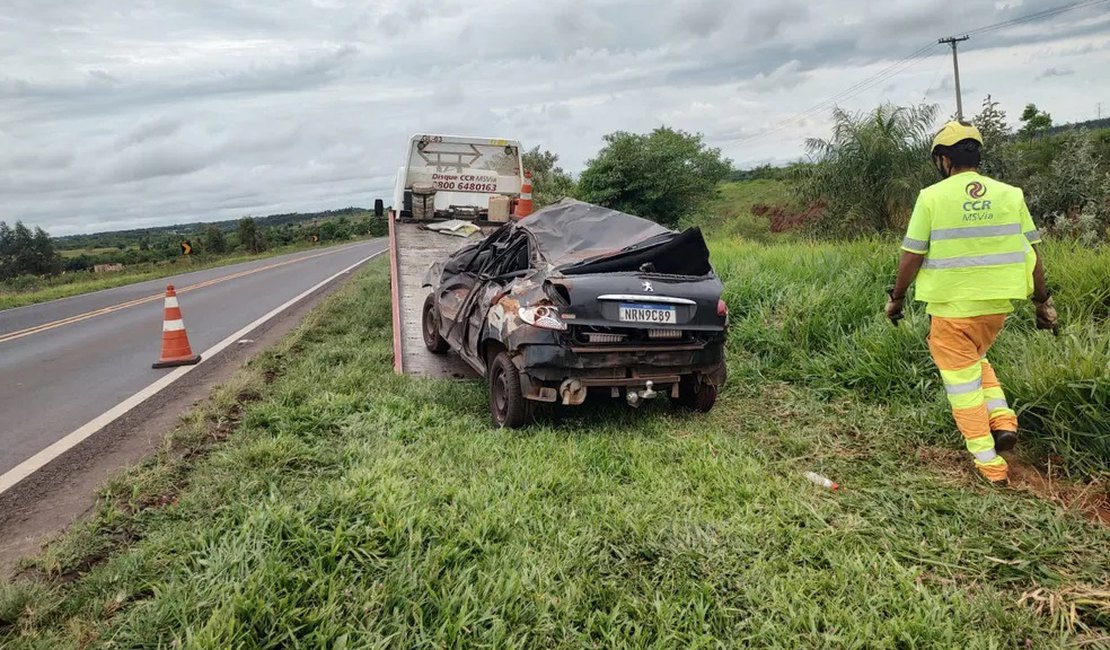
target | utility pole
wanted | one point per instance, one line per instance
(952, 40)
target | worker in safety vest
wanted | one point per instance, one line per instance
(970, 248)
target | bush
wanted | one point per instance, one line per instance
(1072, 184)
(664, 176)
(377, 227)
(550, 184)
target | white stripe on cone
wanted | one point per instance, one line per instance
(173, 325)
(171, 301)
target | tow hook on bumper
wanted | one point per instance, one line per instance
(636, 398)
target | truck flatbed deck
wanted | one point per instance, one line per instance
(412, 249)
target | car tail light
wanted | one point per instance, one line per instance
(543, 316)
(664, 334)
(722, 308)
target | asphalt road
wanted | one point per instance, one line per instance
(65, 362)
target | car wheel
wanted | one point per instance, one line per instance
(507, 405)
(432, 340)
(698, 396)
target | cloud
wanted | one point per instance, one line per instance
(1055, 72)
(115, 115)
(787, 75)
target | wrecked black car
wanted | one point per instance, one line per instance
(578, 299)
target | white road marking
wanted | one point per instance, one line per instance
(28, 467)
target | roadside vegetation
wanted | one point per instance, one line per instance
(807, 313)
(321, 500)
(32, 271)
(22, 293)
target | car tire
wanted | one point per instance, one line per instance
(507, 405)
(430, 326)
(697, 396)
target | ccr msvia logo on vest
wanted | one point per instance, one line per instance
(976, 209)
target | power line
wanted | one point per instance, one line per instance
(1038, 15)
(905, 63)
(929, 88)
(875, 79)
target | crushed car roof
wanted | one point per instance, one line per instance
(573, 231)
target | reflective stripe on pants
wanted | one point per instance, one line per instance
(1002, 416)
(959, 347)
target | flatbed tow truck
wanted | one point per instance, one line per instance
(456, 183)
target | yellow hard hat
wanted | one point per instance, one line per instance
(956, 131)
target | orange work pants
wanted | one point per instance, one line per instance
(959, 347)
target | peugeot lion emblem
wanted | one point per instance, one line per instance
(648, 287)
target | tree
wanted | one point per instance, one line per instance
(550, 184)
(249, 237)
(7, 251)
(1037, 122)
(991, 122)
(46, 261)
(663, 175)
(23, 252)
(214, 240)
(870, 171)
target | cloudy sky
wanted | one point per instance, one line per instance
(129, 113)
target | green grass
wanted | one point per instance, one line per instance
(729, 213)
(77, 283)
(811, 314)
(78, 252)
(321, 501)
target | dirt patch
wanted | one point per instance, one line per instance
(785, 218)
(1091, 499)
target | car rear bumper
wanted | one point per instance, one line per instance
(548, 366)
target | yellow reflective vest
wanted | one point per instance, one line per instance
(976, 235)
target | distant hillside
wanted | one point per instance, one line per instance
(123, 238)
(1090, 125)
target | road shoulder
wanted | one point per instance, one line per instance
(49, 501)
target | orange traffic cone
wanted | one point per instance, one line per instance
(524, 205)
(175, 343)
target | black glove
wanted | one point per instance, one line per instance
(894, 307)
(1046, 315)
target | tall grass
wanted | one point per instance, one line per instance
(811, 313)
(352, 508)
